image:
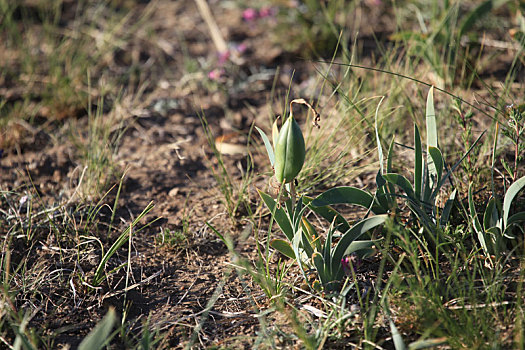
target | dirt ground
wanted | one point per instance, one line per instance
(167, 160)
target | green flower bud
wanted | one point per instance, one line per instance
(289, 151)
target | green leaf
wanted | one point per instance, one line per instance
(283, 247)
(511, 193)
(514, 220)
(327, 249)
(275, 132)
(279, 215)
(432, 140)
(399, 344)
(475, 222)
(318, 262)
(378, 139)
(351, 235)
(267, 145)
(437, 159)
(391, 188)
(99, 337)
(491, 217)
(448, 208)
(428, 343)
(418, 163)
(313, 236)
(362, 248)
(123, 238)
(403, 183)
(347, 195)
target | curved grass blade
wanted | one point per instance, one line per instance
(123, 238)
(267, 145)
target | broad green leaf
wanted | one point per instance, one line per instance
(99, 337)
(306, 243)
(381, 195)
(312, 234)
(516, 219)
(327, 249)
(491, 216)
(418, 163)
(267, 145)
(391, 188)
(298, 213)
(354, 233)
(275, 132)
(428, 343)
(318, 262)
(511, 193)
(283, 247)
(362, 248)
(448, 208)
(403, 183)
(278, 214)
(432, 140)
(437, 159)
(399, 344)
(347, 195)
(494, 240)
(378, 139)
(296, 246)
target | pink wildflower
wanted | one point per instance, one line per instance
(241, 47)
(216, 74)
(249, 14)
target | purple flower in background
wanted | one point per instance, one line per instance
(350, 260)
(249, 14)
(223, 57)
(267, 11)
(241, 47)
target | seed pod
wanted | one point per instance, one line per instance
(289, 151)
